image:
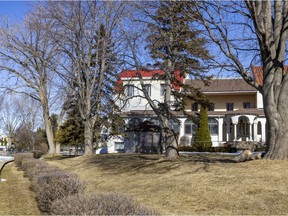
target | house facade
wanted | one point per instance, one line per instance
(235, 112)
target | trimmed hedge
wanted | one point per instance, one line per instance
(61, 193)
(211, 149)
(99, 204)
(18, 158)
(54, 185)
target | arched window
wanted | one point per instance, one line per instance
(259, 128)
(243, 126)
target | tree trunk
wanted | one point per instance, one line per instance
(88, 140)
(49, 133)
(171, 147)
(275, 107)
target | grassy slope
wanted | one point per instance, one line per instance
(192, 185)
(15, 196)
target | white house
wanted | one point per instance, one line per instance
(235, 112)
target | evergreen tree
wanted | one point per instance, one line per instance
(175, 47)
(72, 131)
(202, 139)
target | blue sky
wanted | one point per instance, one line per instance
(14, 9)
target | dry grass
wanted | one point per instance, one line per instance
(206, 184)
(15, 196)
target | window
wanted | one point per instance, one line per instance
(190, 128)
(119, 146)
(229, 106)
(246, 105)
(213, 126)
(130, 90)
(147, 87)
(211, 107)
(194, 107)
(134, 123)
(174, 126)
(259, 128)
(162, 89)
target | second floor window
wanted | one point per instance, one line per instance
(194, 106)
(211, 107)
(229, 106)
(246, 105)
(147, 87)
(130, 90)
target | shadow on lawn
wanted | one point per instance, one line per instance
(144, 163)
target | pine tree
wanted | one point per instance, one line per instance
(175, 47)
(202, 139)
(72, 131)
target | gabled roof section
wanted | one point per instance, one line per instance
(258, 73)
(129, 74)
(222, 85)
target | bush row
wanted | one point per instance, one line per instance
(18, 158)
(210, 149)
(59, 192)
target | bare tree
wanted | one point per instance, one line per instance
(17, 110)
(27, 53)
(256, 30)
(86, 37)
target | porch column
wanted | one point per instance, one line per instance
(235, 120)
(227, 130)
(235, 132)
(250, 131)
(255, 131)
(263, 130)
(250, 122)
(182, 127)
(220, 130)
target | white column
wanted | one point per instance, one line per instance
(263, 130)
(250, 132)
(182, 127)
(220, 130)
(227, 129)
(234, 120)
(235, 132)
(255, 131)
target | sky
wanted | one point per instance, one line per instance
(15, 10)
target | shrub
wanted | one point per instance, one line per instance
(28, 163)
(53, 185)
(98, 204)
(37, 153)
(211, 149)
(202, 140)
(18, 158)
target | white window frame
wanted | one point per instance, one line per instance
(147, 87)
(130, 90)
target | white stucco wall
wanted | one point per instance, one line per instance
(259, 100)
(138, 102)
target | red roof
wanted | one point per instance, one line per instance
(147, 73)
(258, 73)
